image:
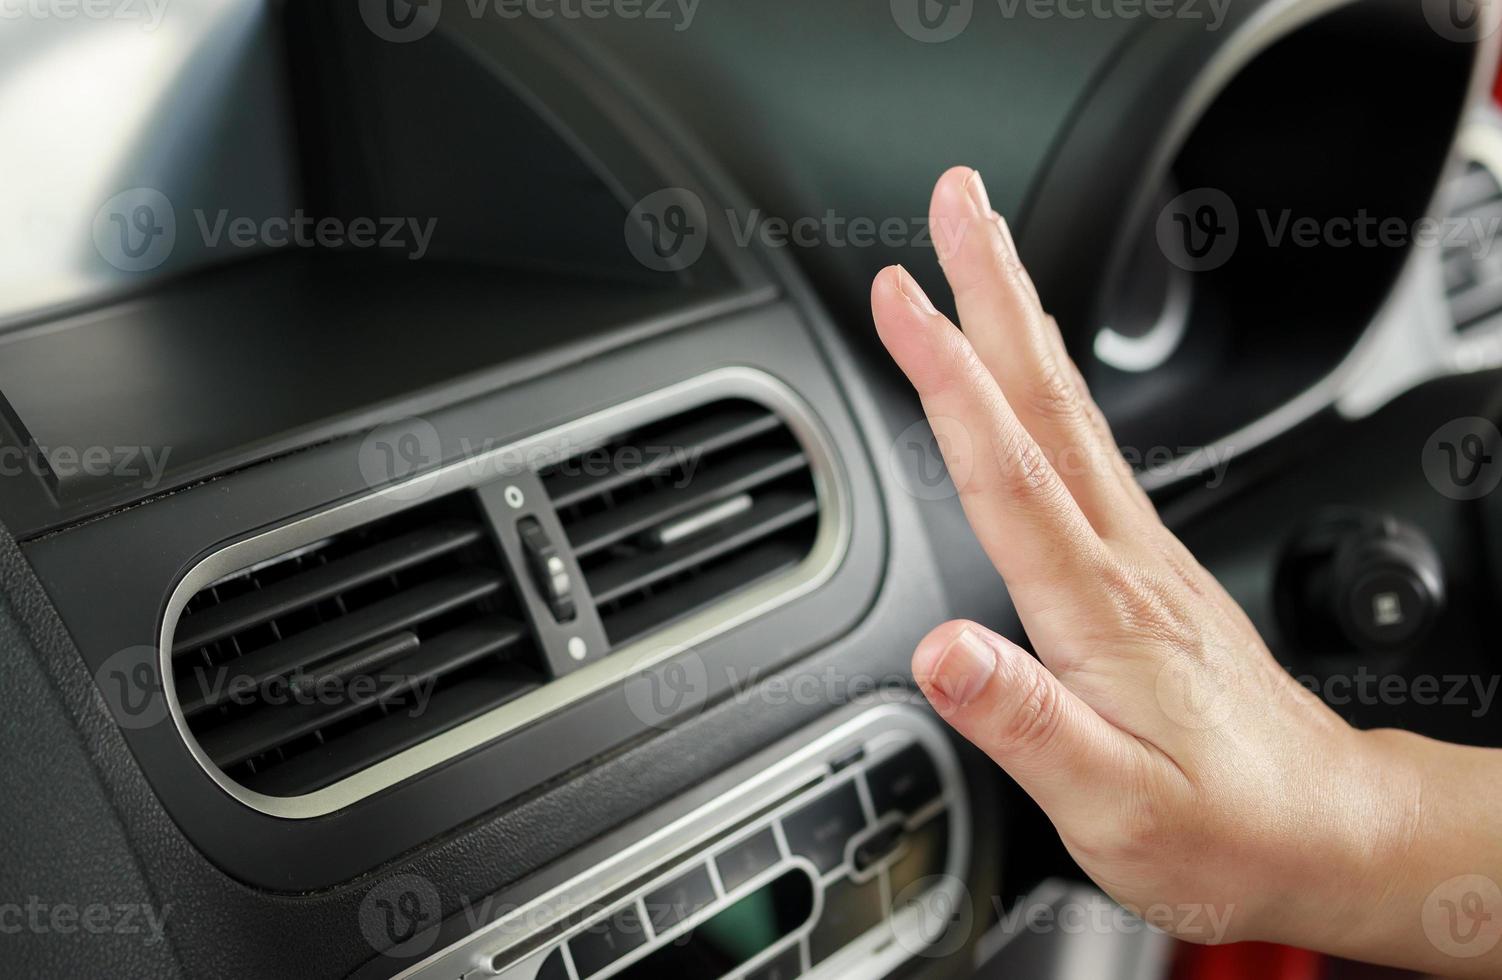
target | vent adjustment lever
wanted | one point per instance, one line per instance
(549, 573)
(545, 569)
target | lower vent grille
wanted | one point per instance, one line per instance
(684, 512)
(307, 668)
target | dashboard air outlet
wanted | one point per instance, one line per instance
(1473, 259)
(301, 670)
(686, 511)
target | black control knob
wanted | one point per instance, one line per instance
(1388, 588)
(1361, 582)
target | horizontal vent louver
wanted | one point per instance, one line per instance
(305, 669)
(681, 513)
(1472, 262)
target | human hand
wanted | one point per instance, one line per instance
(1182, 766)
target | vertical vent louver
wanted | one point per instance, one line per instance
(1472, 265)
(307, 668)
(685, 511)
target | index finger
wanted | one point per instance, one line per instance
(1025, 518)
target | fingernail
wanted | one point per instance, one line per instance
(1005, 229)
(958, 672)
(909, 288)
(979, 199)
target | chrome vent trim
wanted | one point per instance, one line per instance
(410, 624)
(830, 544)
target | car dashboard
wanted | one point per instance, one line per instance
(458, 521)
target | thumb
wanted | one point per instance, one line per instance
(1068, 758)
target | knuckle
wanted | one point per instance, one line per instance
(1052, 395)
(1010, 270)
(945, 373)
(1183, 565)
(1034, 716)
(1146, 608)
(958, 362)
(1034, 474)
(947, 367)
(1028, 475)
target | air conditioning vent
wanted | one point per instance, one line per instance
(301, 670)
(1472, 262)
(303, 662)
(686, 511)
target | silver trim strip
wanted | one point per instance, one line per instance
(686, 527)
(831, 541)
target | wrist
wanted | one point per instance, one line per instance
(1355, 832)
(1429, 897)
(1444, 899)
(1387, 812)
